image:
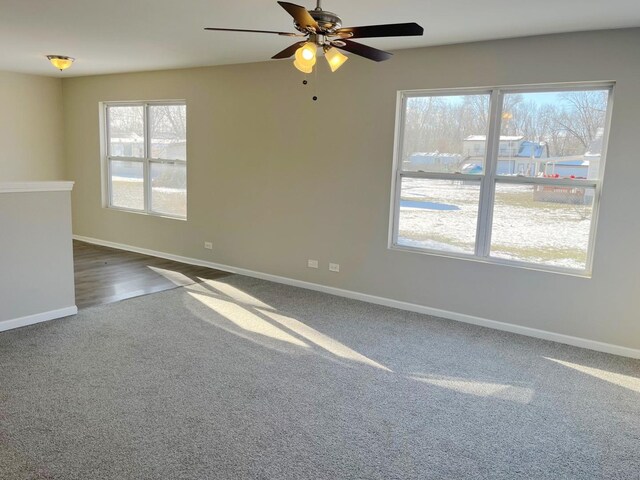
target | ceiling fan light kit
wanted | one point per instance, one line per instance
(323, 29)
(335, 58)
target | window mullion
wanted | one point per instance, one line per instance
(440, 175)
(147, 167)
(396, 213)
(558, 182)
(107, 152)
(487, 187)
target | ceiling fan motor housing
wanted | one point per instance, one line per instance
(328, 22)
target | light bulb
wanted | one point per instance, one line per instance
(335, 58)
(306, 54)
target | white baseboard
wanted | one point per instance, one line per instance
(37, 318)
(388, 302)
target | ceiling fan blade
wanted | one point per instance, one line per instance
(365, 51)
(289, 51)
(389, 30)
(286, 34)
(300, 15)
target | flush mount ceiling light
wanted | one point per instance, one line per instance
(61, 62)
(324, 30)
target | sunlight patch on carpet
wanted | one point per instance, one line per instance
(625, 381)
(480, 389)
(176, 278)
(323, 341)
(244, 319)
(234, 293)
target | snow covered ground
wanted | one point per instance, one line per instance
(524, 229)
(129, 193)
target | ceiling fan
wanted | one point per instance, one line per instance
(322, 29)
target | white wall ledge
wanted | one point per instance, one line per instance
(18, 187)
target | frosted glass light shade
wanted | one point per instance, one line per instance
(303, 68)
(61, 62)
(335, 58)
(305, 57)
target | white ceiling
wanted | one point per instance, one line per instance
(109, 36)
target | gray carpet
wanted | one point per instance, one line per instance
(245, 379)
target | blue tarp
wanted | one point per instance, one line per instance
(427, 205)
(527, 148)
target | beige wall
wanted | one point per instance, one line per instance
(275, 178)
(31, 128)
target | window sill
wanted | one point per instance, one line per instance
(148, 214)
(493, 261)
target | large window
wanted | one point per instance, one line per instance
(508, 175)
(145, 155)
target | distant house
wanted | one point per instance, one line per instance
(128, 145)
(578, 166)
(569, 166)
(475, 145)
(516, 156)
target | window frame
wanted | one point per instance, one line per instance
(488, 179)
(146, 160)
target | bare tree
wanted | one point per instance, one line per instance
(126, 120)
(168, 121)
(567, 126)
(584, 117)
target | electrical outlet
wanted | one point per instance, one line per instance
(334, 267)
(208, 245)
(312, 263)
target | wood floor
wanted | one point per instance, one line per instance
(106, 275)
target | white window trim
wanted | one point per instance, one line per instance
(488, 179)
(146, 160)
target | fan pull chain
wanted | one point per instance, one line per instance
(315, 85)
(305, 82)
(315, 89)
